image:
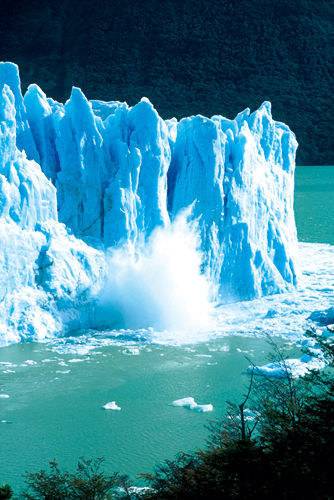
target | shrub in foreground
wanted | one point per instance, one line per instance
(5, 492)
(89, 483)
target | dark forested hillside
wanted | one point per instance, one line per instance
(187, 56)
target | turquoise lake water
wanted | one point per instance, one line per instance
(57, 390)
(314, 204)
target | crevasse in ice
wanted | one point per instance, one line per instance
(79, 177)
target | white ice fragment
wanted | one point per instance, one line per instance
(224, 348)
(191, 404)
(131, 351)
(111, 406)
(295, 367)
(4, 396)
(77, 360)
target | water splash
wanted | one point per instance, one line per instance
(158, 283)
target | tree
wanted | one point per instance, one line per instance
(89, 483)
(5, 492)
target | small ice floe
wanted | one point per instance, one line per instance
(249, 415)
(224, 348)
(63, 371)
(111, 406)
(191, 404)
(4, 396)
(135, 491)
(131, 351)
(78, 360)
(30, 362)
(294, 367)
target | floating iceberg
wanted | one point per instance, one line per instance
(111, 406)
(294, 367)
(80, 177)
(191, 404)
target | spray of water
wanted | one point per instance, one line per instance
(159, 283)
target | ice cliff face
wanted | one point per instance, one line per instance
(241, 174)
(45, 271)
(108, 174)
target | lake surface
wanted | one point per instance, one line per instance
(57, 390)
(314, 204)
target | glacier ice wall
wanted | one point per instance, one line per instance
(45, 271)
(79, 177)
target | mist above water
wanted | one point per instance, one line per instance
(158, 283)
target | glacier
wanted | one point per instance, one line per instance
(81, 178)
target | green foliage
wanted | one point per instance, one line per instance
(88, 483)
(5, 492)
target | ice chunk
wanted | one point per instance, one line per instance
(294, 367)
(131, 351)
(191, 404)
(111, 406)
(77, 360)
(4, 396)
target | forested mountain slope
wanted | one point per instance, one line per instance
(186, 56)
